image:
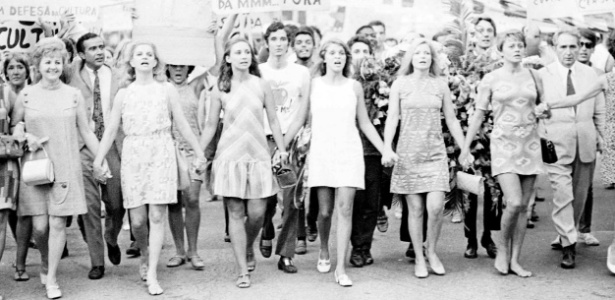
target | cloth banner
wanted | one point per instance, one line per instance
(178, 28)
(549, 9)
(31, 10)
(225, 7)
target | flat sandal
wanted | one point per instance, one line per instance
(243, 281)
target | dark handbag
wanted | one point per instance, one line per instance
(284, 174)
(549, 155)
(11, 147)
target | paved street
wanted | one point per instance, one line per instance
(390, 277)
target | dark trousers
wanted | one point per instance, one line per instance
(312, 211)
(301, 230)
(404, 232)
(492, 213)
(585, 224)
(367, 205)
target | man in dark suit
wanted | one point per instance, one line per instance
(98, 85)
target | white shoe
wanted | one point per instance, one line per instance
(588, 239)
(342, 280)
(324, 265)
(610, 259)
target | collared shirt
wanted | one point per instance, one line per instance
(104, 77)
(563, 71)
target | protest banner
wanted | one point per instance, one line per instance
(31, 10)
(225, 7)
(178, 29)
(549, 9)
(19, 36)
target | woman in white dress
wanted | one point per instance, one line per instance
(335, 163)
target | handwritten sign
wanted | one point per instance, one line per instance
(31, 10)
(19, 36)
(178, 29)
(224, 7)
(549, 9)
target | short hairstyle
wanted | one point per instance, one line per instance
(21, 58)
(488, 20)
(83, 38)
(323, 66)
(168, 74)
(359, 39)
(589, 34)
(275, 26)
(363, 27)
(316, 31)
(510, 35)
(441, 33)
(570, 32)
(304, 30)
(406, 65)
(129, 71)
(291, 31)
(377, 23)
(47, 47)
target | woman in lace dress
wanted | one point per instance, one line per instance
(421, 174)
(146, 108)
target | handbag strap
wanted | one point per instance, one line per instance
(41, 141)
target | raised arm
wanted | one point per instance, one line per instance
(219, 41)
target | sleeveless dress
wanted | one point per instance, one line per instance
(53, 114)
(608, 157)
(149, 165)
(190, 108)
(336, 153)
(9, 168)
(515, 144)
(423, 163)
(242, 165)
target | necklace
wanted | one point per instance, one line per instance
(51, 85)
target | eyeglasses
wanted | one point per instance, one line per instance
(586, 45)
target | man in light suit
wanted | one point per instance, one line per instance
(98, 85)
(577, 134)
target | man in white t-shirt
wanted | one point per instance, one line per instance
(290, 86)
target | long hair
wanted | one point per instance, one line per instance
(226, 70)
(128, 71)
(406, 66)
(322, 66)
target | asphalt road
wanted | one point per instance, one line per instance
(390, 277)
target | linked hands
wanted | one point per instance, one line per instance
(466, 159)
(102, 172)
(389, 157)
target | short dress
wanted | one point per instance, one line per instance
(423, 164)
(515, 144)
(9, 168)
(149, 165)
(190, 107)
(336, 152)
(53, 114)
(242, 165)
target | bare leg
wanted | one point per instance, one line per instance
(4, 216)
(435, 215)
(415, 226)
(156, 238)
(193, 217)
(138, 225)
(40, 231)
(176, 224)
(256, 216)
(326, 200)
(345, 200)
(237, 231)
(24, 233)
(57, 240)
(527, 188)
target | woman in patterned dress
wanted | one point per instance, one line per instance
(510, 92)
(146, 108)
(421, 174)
(242, 167)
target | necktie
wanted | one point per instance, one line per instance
(97, 115)
(569, 85)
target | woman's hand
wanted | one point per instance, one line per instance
(389, 157)
(34, 142)
(200, 163)
(542, 111)
(465, 159)
(101, 171)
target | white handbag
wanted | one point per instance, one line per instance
(38, 171)
(470, 183)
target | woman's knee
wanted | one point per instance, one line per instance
(516, 206)
(156, 215)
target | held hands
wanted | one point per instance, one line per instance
(542, 111)
(34, 142)
(102, 172)
(200, 164)
(280, 158)
(389, 157)
(465, 159)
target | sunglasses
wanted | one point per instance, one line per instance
(586, 45)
